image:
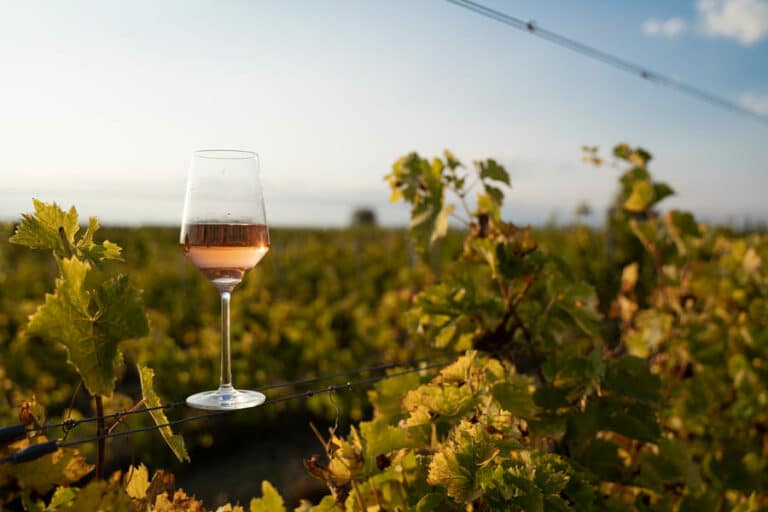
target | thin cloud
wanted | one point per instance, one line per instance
(743, 20)
(670, 28)
(757, 103)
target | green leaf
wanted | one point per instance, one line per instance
(175, 441)
(101, 495)
(631, 377)
(430, 502)
(602, 458)
(490, 170)
(550, 397)
(750, 505)
(580, 302)
(40, 230)
(62, 467)
(641, 197)
(327, 504)
(270, 500)
(97, 252)
(487, 204)
(668, 464)
(387, 396)
(682, 223)
(31, 505)
(652, 327)
(489, 250)
(381, 438)
(451, 161)
(91, 338)
(448, 400)
(429, 222)
(631, 419)
(516, 396)
(460, 462)
(62, 496)
(622, 150)
(661, 191)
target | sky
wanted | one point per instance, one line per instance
(103, 102)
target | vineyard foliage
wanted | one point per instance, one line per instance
(624, 369)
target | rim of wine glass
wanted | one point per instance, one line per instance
(225, 154)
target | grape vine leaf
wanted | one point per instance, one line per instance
(516, 396)
(641, 197)
(381, 439)
(449, 400)
(270, 500)
(137, 482)
(661, 191)
(430, 222)
(327, 504)
(682, 223)
(387, 396)
(459, 464)
(175, 441)
(61, 467)
(181, 502)
(430, 502)
(40, 230)
(91, 324)
(62, 496)
(97, 252)
(490, 170)
(100, 495)
(420, 182)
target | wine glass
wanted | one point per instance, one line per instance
(224, 234)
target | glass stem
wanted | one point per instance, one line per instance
(226, 360)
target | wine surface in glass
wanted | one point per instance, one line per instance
(225, 252)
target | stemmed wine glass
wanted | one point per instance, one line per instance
(224, 233)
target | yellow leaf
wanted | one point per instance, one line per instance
(179, 503)
(137, 482)
(752, 262)
(640, 198)
(174, 441)
(270, 500)
(629, 277)
(61, 467)
(100, 495)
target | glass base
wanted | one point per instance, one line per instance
(226, 399)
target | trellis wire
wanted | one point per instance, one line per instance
(45, 448)
(607, 58)
(70, 423)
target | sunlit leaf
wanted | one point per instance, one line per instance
(270, 500)
(641, 197)
(490, 170)
(458, 464)
(516, 396)
(62, 467)
(90, 325)
(100, 495)
(174, 441)
(40, 230)
(137, 482)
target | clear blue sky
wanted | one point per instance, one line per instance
(101, 103)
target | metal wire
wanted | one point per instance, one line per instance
(69, 424)
(294, 396)
(303, 394)
(607, 58)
